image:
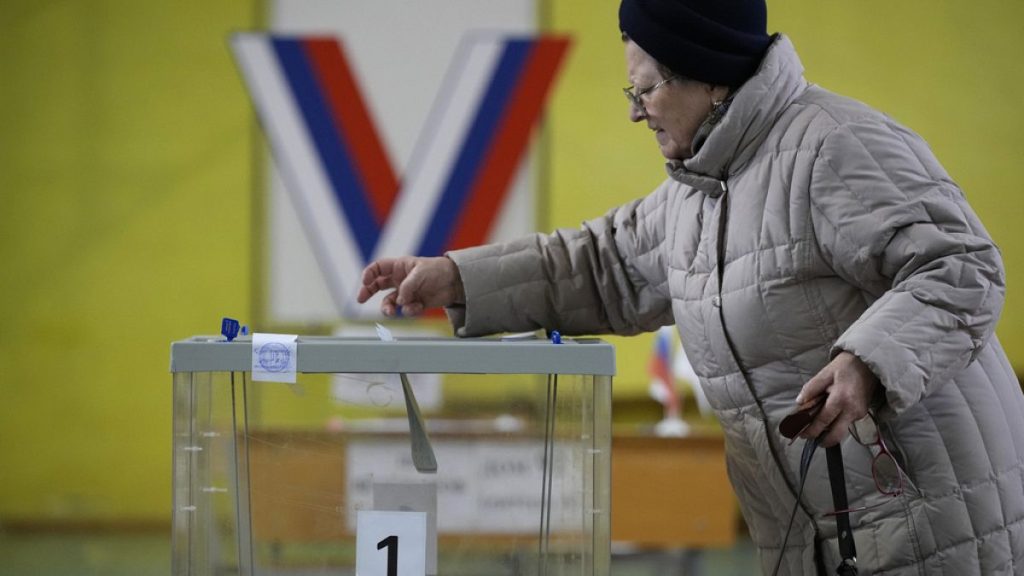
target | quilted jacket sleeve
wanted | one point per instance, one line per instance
(892, 222)
(607, 277)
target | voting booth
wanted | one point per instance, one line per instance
(326, 455)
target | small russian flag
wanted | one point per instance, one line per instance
(663, 387)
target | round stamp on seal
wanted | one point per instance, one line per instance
(274, 357)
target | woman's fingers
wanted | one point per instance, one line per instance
(376, 277)
(388, 305)
(850, 385)
(417, 283)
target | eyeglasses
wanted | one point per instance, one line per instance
(885, 471)
(634, 96)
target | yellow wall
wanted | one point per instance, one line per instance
(124, 146)
(125, 177)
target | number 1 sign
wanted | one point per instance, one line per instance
(391, 543)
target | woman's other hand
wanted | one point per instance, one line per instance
(850, 385)
(419, 283)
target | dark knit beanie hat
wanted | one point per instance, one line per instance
(719, 42)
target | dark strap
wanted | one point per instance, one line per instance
(837, 479)
(805, 464)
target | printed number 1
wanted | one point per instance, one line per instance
(392, 544)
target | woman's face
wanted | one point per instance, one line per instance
(674, 110)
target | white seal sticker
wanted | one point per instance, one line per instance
(274, 357)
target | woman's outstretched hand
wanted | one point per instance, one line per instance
(418, 283)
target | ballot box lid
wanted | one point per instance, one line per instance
(327, 354)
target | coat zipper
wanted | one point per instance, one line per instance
(723, 219)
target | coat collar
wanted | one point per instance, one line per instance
(724, 147)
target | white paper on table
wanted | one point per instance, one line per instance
(274, 357)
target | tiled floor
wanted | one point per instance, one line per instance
(150, 555)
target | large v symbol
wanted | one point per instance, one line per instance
(338, 173)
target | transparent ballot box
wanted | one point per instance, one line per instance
(414, 456)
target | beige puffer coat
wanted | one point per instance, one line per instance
(837, 229)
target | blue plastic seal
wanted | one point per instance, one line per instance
(229, 328)
(556, 337)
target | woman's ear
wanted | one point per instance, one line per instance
(717, 93)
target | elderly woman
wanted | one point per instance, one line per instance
(806, 247)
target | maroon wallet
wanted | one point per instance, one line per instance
(795, 423)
